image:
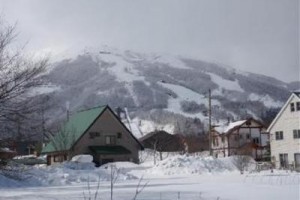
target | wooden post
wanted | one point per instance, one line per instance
(260, 144)
(111, 182)
(228, 145)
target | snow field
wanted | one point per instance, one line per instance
(187, 177)
(68, 173)
(192, 165)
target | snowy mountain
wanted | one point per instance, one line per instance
(165, 89)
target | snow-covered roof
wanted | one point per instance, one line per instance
(6, 150)
(226, 128)
(297, 94)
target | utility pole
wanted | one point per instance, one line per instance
(209, 123)
(68, 110)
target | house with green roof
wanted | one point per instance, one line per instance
(98, 132)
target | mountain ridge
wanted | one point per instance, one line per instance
(155, 84)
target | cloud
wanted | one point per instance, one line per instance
(260, 36)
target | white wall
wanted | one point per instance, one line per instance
(253, 130)
(287, 122)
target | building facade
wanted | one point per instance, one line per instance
(97, 132)
(285, 134)
(245, 137)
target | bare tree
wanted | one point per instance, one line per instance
(63, 140)
(19, 74)
(161, 141)
(241, 162)
(90, 196)
(139, 188)
(114, 175)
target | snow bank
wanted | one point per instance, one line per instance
(82, 158)
(67, 173)
(193, 164)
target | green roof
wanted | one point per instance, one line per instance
(73, 130)
(109, 150)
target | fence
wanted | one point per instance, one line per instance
(176, 196)
(274, 179)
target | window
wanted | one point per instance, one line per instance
(292, 107)
(241, 137)
(279, 135)
(298, 106)
(58, 158)
(236, 137)
(255, 140)
(94, 134)
(223, 138)
(283, 159)
(119, 135)
(297, 159)
(296, 134)
(248, 136)
(215, 141)
(110, 140)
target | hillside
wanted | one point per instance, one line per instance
(164, 89)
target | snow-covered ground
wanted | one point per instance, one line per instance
(226, 84)
(266, 99)
(185, 94)
(176, 177)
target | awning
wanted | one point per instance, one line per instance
(109, 150)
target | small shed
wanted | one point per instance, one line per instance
(162, 141)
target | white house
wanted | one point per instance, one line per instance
(245, 137)
(285, 134)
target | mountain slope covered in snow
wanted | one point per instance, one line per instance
(161, 88)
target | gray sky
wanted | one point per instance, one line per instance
(260, 36)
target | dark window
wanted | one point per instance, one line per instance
(110, 140)
(94, 134)
(223, 138)
(292, 107)
(283, 159)
(296, 134)
(298, 106)
(248, 123)
(255, 140)
(297, 160)
(248, 136)
(279, 135)
(119, 135)
(236, 137)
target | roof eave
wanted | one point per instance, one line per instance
(281, 111)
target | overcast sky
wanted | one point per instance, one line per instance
(260, 36)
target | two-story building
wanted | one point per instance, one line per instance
(245, 137)
(285, 134)
(97, 132)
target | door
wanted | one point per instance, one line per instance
(297, 160)
(283, 159)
